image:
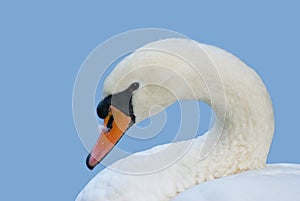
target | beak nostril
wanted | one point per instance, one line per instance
(110, 122)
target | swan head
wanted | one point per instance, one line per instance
(126, 102)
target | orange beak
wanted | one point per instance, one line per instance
(108, 139)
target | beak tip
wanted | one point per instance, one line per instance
(87, 162)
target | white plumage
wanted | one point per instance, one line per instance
(239, 141)
(275, 182)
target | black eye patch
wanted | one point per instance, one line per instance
(121, 100)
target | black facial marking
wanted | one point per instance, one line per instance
(121, 100)
(103, 107)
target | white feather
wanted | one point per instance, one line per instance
(244, 116)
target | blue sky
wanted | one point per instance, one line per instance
(43, 45)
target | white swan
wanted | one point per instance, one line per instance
(159, 74)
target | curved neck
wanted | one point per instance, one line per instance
(244, 125)
(183, 69)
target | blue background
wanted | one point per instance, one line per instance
(43, 44)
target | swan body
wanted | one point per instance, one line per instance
(275, 182)
(181, 69)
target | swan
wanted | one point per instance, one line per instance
(161, 73)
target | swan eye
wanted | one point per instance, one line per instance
(134, 86)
